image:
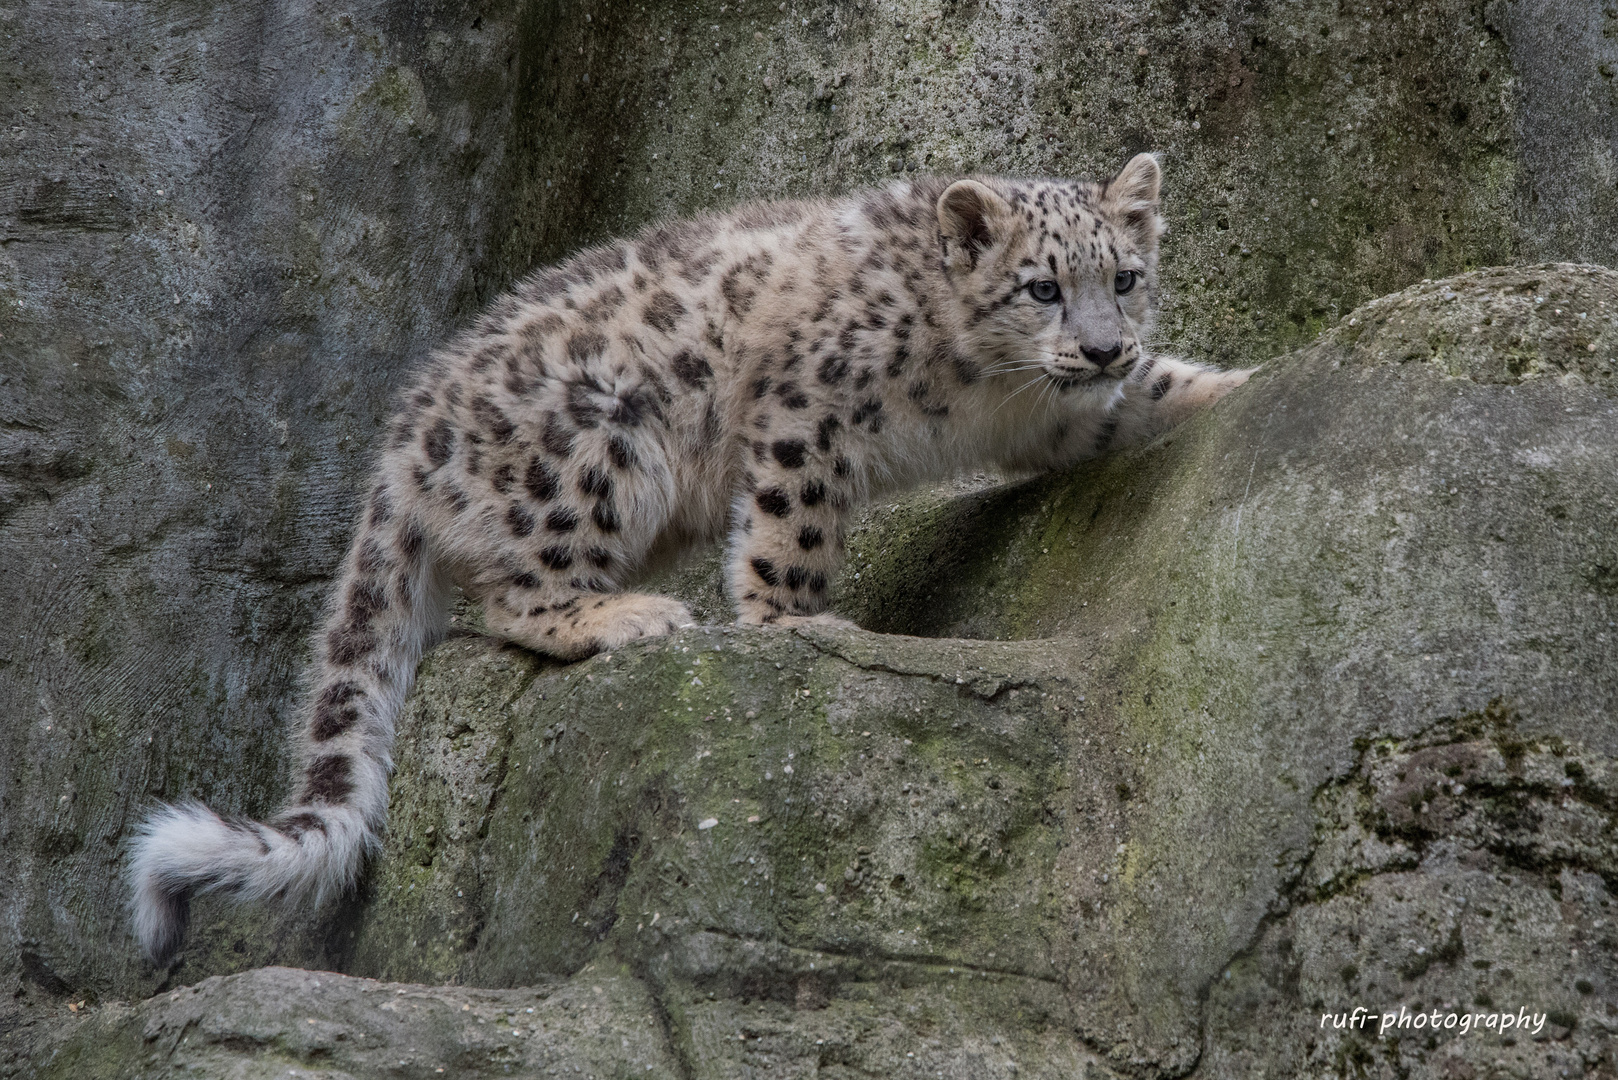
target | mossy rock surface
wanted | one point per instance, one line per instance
(283, 1022)
(1153, 765)
(228, 232)
(228, 236)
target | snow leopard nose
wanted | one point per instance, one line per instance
(1102, 357)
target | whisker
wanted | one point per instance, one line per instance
(1050, 394)
(1017, 391)
(1013, 365)
(1018, 371)
(1007, 399)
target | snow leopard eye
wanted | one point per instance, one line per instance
(1124, 281)
(1045, 291)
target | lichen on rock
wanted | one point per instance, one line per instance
(1504, 325)
(1151, 713)
(1204, 742)
(280, 1022)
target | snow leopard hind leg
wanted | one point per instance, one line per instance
(572, 487)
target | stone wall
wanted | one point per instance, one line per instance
(227, 230)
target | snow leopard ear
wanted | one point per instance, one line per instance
(1131, 198)
(971, 218)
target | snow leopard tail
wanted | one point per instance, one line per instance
(390, 606)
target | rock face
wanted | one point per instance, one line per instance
(223, 230)
(227, 230)
(1161, 767)
(281, 1022)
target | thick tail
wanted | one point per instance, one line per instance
(390, 606)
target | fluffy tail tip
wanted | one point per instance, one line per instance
(165, 868)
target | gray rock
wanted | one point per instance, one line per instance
(1465, 871)
(1304, 708)
(226, 232)
(1227, 668)
(281, 1022)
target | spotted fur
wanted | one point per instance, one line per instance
(761, 373)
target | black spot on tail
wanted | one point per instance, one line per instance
(810, 538)
(557, 557)
(371, 558)
(813, 493)
(329, 779)
(294, 826)
(364, 601)
(561, 520)
(334, 713)
(411, 541)
(766, 570)
(605, 516)
(174, 914)
(346, 645)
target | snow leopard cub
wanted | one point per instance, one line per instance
(760, 372)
